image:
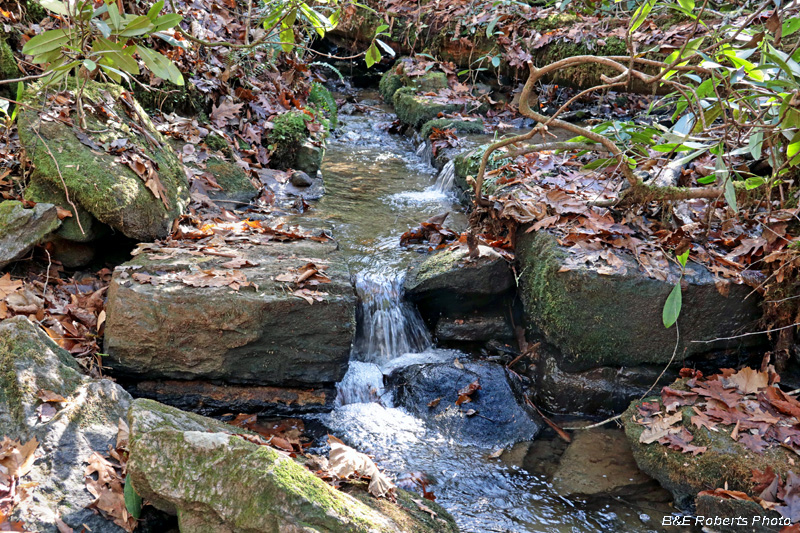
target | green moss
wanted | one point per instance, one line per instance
(390, 82)
(288, 133)
(98, 181)
(34, 12)
(230, 176)
(185, 99)
(416, 110)
(461, 126)
(324, 104)
(468, 163)
(430, 81)
(554, 21)
(46, 192)
(8, 69)
(217, 143)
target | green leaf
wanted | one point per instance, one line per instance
(707, 179)
(380, 29)
(165, 22)
(672, 307)
(90, 65)
(116, 55)
(155, 10)
(287, 39)
(114, 16)
(683, 258)
(490, 27)
(754, 182)
(160, 65)
(138, 26)
(373, 55)
(56, 6)
(133, 502)
(386, 48)
(730, 194)
(640, 15)
(46, 42)
(335, 18)
(688, 5)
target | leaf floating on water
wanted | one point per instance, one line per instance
(346, 462)
(457, 364)
(434, 403)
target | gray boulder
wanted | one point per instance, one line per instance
(85, 423)
(261, 334)
(496, 415)
(21, 229)
(598, 319)
(217, 481)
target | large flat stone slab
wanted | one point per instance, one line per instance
(159, 327)
(597, 319)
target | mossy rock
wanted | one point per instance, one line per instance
(726, 463)
(21, 229)
(287, 135)
(461, 126)
(390, 83)
(8, 69)
(467, 164)
(96, 180)
(600, 319)
(416, 110)
(219, 481)
(88, 230)
(236, 186)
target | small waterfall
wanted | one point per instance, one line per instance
(446, 178)
(425, 152)
(363, 383)
(387, 326)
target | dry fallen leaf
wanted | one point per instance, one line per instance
(345, 462)
(660, 427)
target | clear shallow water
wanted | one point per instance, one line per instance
(378, 186)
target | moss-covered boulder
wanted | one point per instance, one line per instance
(21, 229)
(416, 109)
(461, 126)
(9, 70)
(86, 421)
(89, 229)
(600, 318)
(467, 164)
(98, 180)
(396, 78)
(725, 463)
(251, 329)
(236, 186)
(288, 133)
(217, 481)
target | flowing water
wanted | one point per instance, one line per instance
(378, 186)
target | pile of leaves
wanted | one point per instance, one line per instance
(761, 414)
(106, 478)
(70, 310)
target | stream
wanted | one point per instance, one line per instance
(377, 186)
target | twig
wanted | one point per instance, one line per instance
(768, 331)
(598, 424)
(47, 276)
(64, 183)
(26, 78)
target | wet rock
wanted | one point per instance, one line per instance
(309, 158)
(416, 109)
(396, 78)
(216, 481)
(98, 181)
(478, 327)
(496, 416)
(599, 462)
(259, 335)
(213, 400)
(597, 320)
(725, 463)
(301, 179)
(236, 186)
(85, 423)
(450, 281)
(21, 229)
(280, 183)
(460, 126)
(599, 391)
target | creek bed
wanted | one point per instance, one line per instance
(377, 186)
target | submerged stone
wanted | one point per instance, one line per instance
(598, 319)
(98, 181)
(217, 481)
(85, 423)
(260, 334)
(21, 229)
(495, 415)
